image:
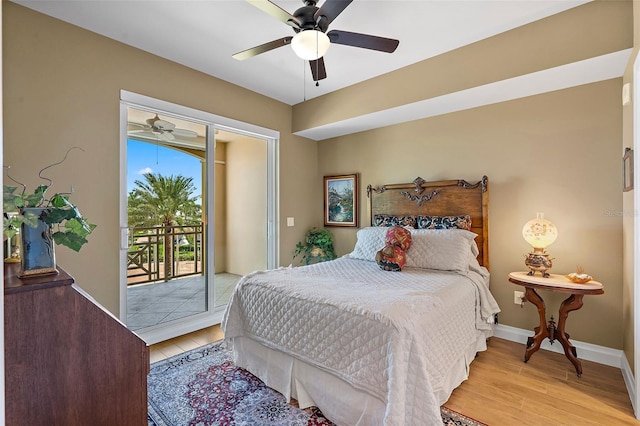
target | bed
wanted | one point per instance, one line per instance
(368, 346)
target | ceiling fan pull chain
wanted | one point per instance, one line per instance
(317, 61)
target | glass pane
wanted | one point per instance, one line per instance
(240, 210)
(166, 172)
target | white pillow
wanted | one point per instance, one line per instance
(442, 249)
(474, 249)
(369, 241)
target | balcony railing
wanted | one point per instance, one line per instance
(161, 253)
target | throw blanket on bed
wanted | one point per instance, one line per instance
(393, 335)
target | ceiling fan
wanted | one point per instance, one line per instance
(162, 129)
(311, 41)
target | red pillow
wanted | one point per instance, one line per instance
(398, 236)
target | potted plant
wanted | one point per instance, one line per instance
(40, 222)
(317, 246)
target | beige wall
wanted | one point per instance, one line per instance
(557, 153)
(246, 206)
(61, 89)
(590, 30)
(629, 256)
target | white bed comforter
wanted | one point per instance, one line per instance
(392, 334)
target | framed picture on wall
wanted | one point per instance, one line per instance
(341, 200)
(627, 170)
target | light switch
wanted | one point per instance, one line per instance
(290, 221)
(626, 94)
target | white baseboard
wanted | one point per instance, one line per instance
(588, 351)
(630, 382)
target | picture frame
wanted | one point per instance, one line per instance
(627, 170)
(341, 200)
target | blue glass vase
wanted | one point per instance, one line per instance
(38, 248)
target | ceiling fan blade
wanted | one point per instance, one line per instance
(166, 136)
(318, 70)
(365, 41)
(184, 133)
(330, 10)
(254, 51)
(276, 11)
(143, 126)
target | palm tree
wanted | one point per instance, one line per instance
(163, 201)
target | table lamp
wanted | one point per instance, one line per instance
(540, 233)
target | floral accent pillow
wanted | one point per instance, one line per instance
(392, 256)
(398, 236)
(444, 222)
(388, 220)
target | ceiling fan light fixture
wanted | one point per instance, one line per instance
(310, 44)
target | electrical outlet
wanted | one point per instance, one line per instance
(518, 296)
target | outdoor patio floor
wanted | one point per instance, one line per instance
(155, 303)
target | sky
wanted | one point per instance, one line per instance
(144, 157)
(341, 185)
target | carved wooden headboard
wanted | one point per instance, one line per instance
(437, 198)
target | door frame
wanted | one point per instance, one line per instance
(214, 314)
(635, 398)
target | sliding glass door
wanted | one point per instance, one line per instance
(198, 210)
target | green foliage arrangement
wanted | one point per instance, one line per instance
(69, 227)
(317, 246)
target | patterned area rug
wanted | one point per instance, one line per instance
(203, 387)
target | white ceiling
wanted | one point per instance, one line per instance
(204, 34)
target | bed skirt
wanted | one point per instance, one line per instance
(338, 400)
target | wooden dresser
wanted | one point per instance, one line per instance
(68, 361)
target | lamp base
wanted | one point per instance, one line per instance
(538, 262)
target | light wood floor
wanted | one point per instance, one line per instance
(503, 390)
(176, 346)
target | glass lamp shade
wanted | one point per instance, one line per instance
(310, 44)
(539, 233)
